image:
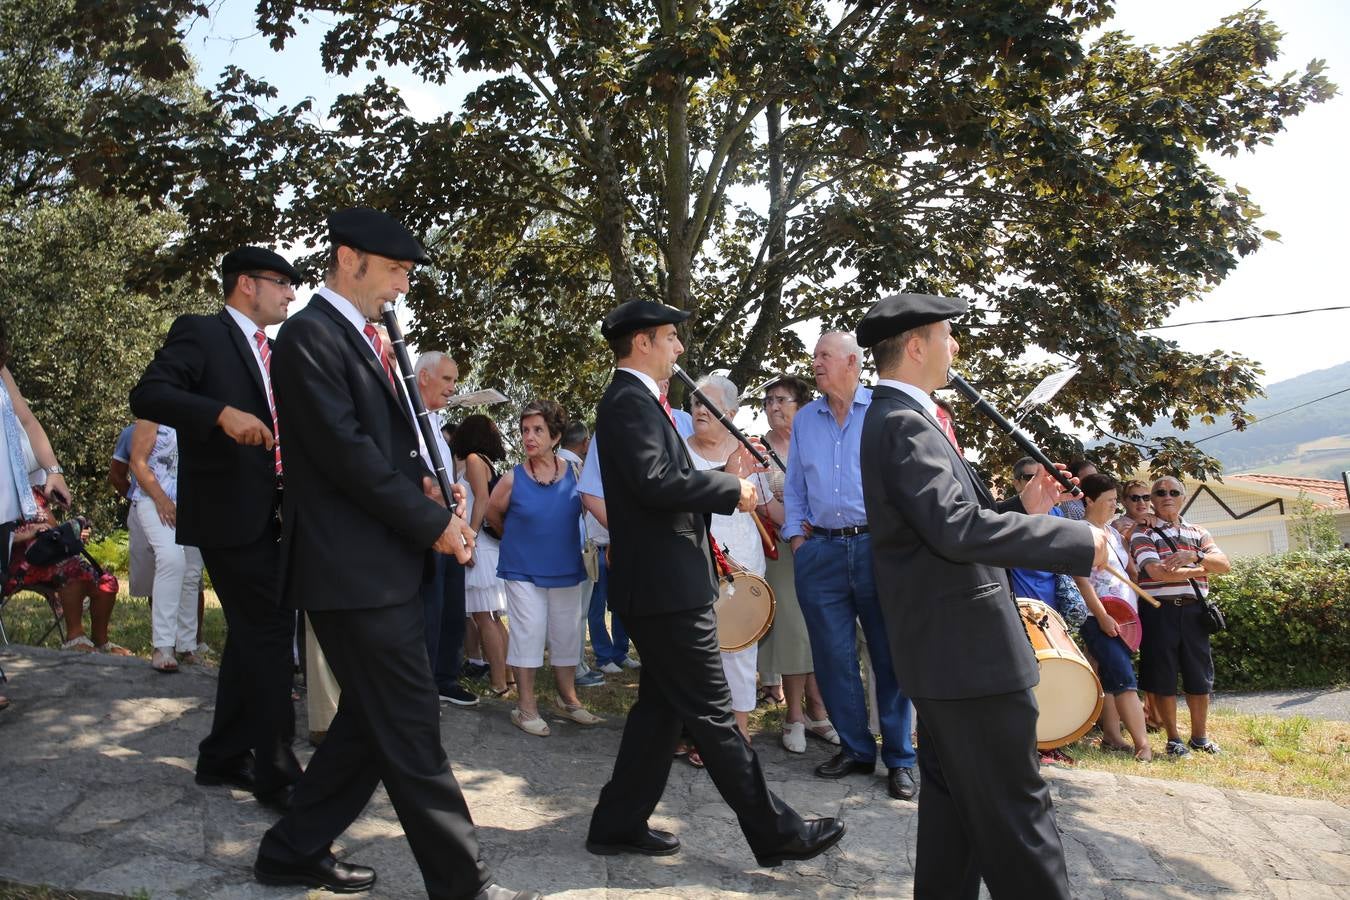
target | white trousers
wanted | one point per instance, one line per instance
(540, 615)
(178, 577)
(739, 667)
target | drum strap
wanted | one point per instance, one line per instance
(719, 558)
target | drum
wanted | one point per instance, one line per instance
(744, 608)
(1069, 696)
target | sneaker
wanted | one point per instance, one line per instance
(794, 737)
(1177, 748)
(610, 668)
(1204, 745)
(629, 663)
(590, 679)
(458, 695)
(473, 670)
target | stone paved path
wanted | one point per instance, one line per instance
(96, 793)
(1320, 703)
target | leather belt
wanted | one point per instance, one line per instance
(850, 531)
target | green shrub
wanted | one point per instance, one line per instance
(1288, 622)
(112, 552)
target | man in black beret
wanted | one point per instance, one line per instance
(661, 583)
(941, 546)
(211, 381)
(358, 526)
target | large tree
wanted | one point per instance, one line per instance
(767, 164)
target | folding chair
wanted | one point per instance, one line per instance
(58, 623)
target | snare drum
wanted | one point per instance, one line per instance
(1069, 696)
(744, 610)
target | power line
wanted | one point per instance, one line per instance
(1277, 315)
(1274, 414)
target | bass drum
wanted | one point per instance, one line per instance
(1070, 695)
(744, 608)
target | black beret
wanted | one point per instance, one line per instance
(256, 259)
(901, 312)
(638, 314)
(372, 231)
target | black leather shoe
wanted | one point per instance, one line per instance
(326, 873)
(649, 843)
(842, 764)
(239, 775)
(818, 835)
(900, 783)
(278, 800)
(497, 892)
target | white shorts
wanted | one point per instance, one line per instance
(740, 668)
(539, 615)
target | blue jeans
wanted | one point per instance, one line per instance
(836, 588)
(608, 648)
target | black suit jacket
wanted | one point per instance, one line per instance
(940, 548)
(226, 491)
(657, 504)
(356, 527)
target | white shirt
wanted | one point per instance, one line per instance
(251, 328)
(920, 397)
(358, 321)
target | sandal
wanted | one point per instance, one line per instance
(162, 661)
(499, 694)
(1143, 755)
(822, 730)
(80, 644)
(533, 725)
(693, 758)
(765, 698)
(578, 713)
(112, 649)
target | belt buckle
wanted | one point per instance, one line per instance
(1176, 601)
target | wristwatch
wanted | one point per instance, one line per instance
(55, 470)
(1199, 557)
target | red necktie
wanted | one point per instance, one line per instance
(265, 352)
(945, 420)
(670, 413)
(378, 346)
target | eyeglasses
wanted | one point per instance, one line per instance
(1160, 492)
(775, 400)
(1137, 498)
(1024, 476)
(279, 282)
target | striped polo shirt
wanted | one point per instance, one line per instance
(1147, 546)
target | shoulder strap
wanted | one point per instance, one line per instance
(1173, 544)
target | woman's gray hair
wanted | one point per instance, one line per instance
(720, 389)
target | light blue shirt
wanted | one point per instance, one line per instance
(163, 461)
(824, 476)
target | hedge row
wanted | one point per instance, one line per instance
(1288, 622)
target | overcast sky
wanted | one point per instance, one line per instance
(1301, 182)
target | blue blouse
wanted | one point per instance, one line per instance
(541, 537)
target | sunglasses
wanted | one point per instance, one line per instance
(1166, 493)
(1024, 476)
(1137, 498)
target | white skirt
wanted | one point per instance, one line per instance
(483, 590)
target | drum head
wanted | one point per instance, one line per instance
(744, 609)
(1131, 631)
(1069, 697)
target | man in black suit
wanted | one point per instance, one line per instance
(940, 549)
(661, 582)
(210, 381)
(357, 528)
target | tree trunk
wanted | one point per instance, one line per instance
(747, 367)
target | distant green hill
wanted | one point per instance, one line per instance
(1313, 441)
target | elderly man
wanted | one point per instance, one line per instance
(941, 545)
(826, 522)
(1175, 560)
(357, 525)
(212, 382)
(443, 582)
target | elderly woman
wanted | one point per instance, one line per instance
(178, 568)
(476, 444)
(711, 446)
(786, 649)
(1099, 631)
(537, 511)
(21, 436)
(1175, 560)
(1138, 503)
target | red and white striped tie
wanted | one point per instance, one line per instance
(265, 352)
(670, 413)
(378, 346)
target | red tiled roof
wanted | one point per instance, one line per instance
(1334, 491)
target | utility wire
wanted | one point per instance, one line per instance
(1292, 312)
(1274, 414)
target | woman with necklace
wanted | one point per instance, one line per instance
(786, 650)
(1100, 632)
(711, 446)
(537, 511)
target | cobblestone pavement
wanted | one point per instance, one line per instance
(96, 794)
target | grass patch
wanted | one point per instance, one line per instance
(1293, 757)
(27, 616)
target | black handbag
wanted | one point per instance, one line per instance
(55, 544)
(1213, 619)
